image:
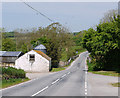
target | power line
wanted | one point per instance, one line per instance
(38, 11)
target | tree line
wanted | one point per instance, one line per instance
(55, 37)
(103, 43)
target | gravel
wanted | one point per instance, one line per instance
(100, 85)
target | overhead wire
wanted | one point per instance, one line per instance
(38, 11)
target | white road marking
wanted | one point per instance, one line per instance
(85, 90)
(86, 76)
(55, 81)
(85, 84)
(64, 75)
(68, 73)
(40, 91)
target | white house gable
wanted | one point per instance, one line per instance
(33, 61)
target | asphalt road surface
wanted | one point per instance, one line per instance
(70, 82)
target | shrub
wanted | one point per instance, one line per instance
(11, 72)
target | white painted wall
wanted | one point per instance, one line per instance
(41, 64)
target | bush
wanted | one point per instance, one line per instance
(93, 67)
(11, 72)
(90, 66)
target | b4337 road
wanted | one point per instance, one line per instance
(70, 82)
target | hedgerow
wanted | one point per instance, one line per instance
(10, 72)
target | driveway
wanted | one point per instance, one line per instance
(99, 85)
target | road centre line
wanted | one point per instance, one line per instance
(68, 73)
(48, 86)
(85, 84)
(86, 76)
(64, 75)
(74, 61)
(86, 90)
(20, 84)
(55, 81)
(40, 91)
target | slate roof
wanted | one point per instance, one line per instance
(10, 53)
(42, 54)
(39, 47)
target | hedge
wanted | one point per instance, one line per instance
(11, 72)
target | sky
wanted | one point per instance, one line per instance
(76, 16)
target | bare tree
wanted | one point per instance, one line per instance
(110, 16)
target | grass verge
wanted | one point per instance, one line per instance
(107, 73)
(116, 84)
(57, 69)
(10, 82)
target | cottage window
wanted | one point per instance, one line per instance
(32, 57)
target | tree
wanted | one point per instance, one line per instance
(104, 44)
(110, 16)
(55, 38)
(8, 45)
(24, 48)
(78, 38)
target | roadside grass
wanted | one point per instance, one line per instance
(10, 82)
(61, 68)
(107, 73)
(116, 84)
(57, 69)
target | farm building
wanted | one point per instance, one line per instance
(7, 58)
(34, 61)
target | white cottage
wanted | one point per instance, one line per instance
(34, 61)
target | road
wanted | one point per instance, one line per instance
(70, 82)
